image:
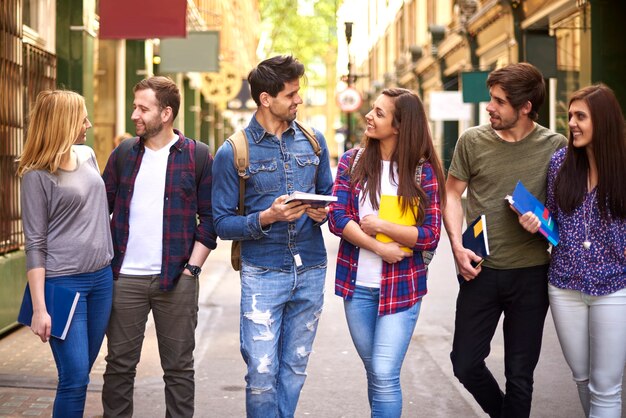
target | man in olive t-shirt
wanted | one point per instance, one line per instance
(488, 161)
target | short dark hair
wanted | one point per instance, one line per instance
(522, 82)
(165, 90)
(271, 75)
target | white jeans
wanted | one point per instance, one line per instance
(592, 333)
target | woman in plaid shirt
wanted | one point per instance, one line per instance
(382, 281)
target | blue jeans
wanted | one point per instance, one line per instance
(522, 295)
(382, 343)
(278, 323)
(75, 355)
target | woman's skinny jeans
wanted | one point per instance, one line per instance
(382, 343)
(75, 355)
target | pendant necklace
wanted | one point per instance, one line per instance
(587, 217)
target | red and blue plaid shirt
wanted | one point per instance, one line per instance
(404, 283)
(184, 204)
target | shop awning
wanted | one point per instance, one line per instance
(142, 19)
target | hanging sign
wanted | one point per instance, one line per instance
(223, 86)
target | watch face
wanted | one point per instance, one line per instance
(195, 270)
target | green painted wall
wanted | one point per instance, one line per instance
(188, 103)
(450, 128)
(204, 123)
(135, 72)
(75, 50)
(12, 282)
(608, 51)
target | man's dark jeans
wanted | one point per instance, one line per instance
(522, 294)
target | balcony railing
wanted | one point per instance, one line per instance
(28, 70)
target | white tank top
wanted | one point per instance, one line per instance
(369, 272)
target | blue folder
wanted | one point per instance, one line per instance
(523, 201)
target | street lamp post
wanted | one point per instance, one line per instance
(348, 27)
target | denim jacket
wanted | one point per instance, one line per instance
(277, 167)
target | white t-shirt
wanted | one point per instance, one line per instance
(144, 251)
(370, 268)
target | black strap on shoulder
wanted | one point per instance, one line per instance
(201, 154)
(123, 149)
(418, 171)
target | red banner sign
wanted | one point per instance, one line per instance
(143, 19)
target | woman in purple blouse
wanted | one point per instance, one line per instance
(587, 195)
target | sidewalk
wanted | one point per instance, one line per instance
(336, 384)
(28, 375)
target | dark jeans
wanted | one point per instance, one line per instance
(522, 294)
(175, 318)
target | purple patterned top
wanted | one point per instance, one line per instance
(601, 269)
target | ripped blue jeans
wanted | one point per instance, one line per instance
(278, 322)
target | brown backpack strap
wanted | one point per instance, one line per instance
(241, 159)
(241, 153)
(310, 135)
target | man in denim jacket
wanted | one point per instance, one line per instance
(283, 254)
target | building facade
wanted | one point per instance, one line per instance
(432, 46)
(57, 44)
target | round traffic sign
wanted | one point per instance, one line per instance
(349, 100)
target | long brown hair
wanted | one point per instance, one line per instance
(54, 124)
(609, 149)
(414, 143)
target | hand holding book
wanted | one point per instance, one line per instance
(60, 304)
(522, 201)
(315, 200)
(476, 240)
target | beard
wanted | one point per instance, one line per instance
(285, 116)
(150, 130)
(503, 124)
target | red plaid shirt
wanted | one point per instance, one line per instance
(404, 283)
(187, 213)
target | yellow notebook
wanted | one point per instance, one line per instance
(391, 210)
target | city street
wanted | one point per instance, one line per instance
(506, 81)
(336, 384)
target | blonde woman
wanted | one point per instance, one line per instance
(68, 238)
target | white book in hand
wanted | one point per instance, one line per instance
(315, 200)
(60, 304)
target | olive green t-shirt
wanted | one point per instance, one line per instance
(491, 167)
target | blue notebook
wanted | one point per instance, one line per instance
(475, 238)
(60, 303)
(523, 201)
